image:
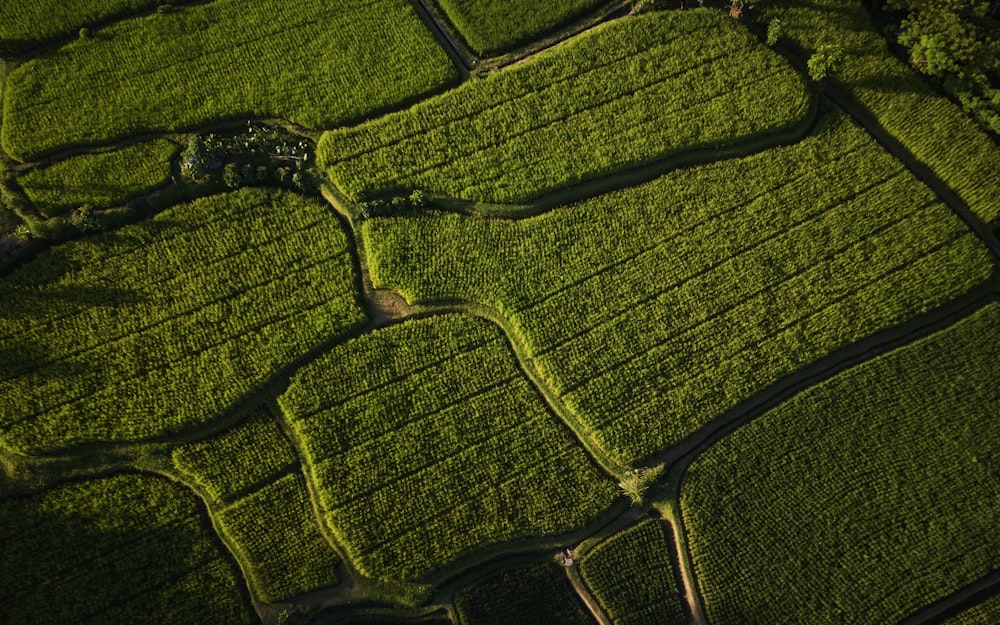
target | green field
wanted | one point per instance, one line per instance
(492, 26)
(848, 491)
(435, 417)
(617, 97)
(26, 25)
(101, 179)
(163, 326)
(654, 309)
(318, 63)
(114, 550)
(632, 577)
(986, 613)
(538, 595)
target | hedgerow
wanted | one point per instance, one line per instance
(632, 577)
(113, 550)
(433, 417)
(26, 25)
(625, 94)
(539, 595)
(927, 123)
(850, 490)
(654, 309)
(489, 26)
(317, 62)
(165, 325)
(986, 613)
(100, 180)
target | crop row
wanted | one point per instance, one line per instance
(538, 594)
(654, 309)
(632, 577)
(108, 339)
(843, 500)
(489, 26)
(934, 129)
(452, 433)
(25, 25)
(101, 179)
(113, 550)
(318, 63)
(985, 613)
(622, 95)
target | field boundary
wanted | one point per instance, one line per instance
(938, 612)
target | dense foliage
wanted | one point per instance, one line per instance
(26, 25)
(632, 577)
(122, 549)
(101, 179)
(880, 482)
(425, 442)
(622, 95)
(934, 129)
(315, 62)
(537, 595)
(986, 613)
(492, 26)
(165, 325)
(654, 309)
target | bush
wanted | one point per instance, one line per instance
(825, 61)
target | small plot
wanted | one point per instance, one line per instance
(262, 508)
(316, 62)
(986, 613)
(537, 595)
(114, 550)
(492, 26)
(842, 504)
(425, 442)
(26, 25)
(163, 326)
(632, 576)
(654, 309)
(622, 95)
(100, 179)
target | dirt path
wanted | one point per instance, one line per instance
(581, 590)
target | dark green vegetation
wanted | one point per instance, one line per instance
(654, 309)
(492, 26)
(537, 595)
(101, 179)
(425, 442)
(158, 327)
(617, 97)
(926, 123)
(315, 62)
(632, 576)
(850, 490)
(26, 25)
(986, 613)
(123, 549)
(261, 507)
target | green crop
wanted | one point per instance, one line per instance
(316, 62)
(100, 180)
(632, 577)
(622, 95)
(654, 309)
(880, 482)
(986, 613)
(26, 25)
(537, 595)
(114, 550)
(425, 442)
(165, 325)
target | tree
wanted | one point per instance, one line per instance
(637, 481)
(824, 61)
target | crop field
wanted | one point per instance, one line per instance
(986, 613)
(25, 25)
(101, 179)
(847, 492)
(434, 417)
(632, 577)
(654, 309)
(262, 507)
(538, 595)
(134, 334)
(316, 62)
(600, 104)
(113, 550)
(492, 26)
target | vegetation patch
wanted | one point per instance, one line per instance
(425, 442)
(537, 595)
(317, 62)
(163, 326)
(986, 613)
(654, 309)
(122, 549)
(625, 94)
(848, 491)
(632, 577)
